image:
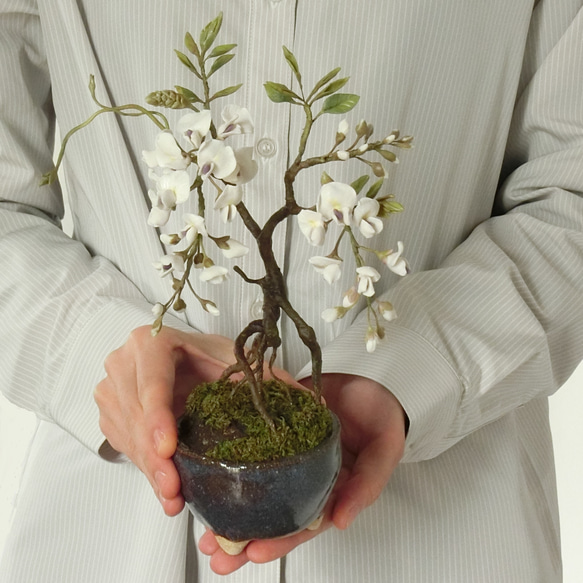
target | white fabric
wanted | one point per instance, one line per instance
(489, 322)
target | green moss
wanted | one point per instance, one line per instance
(300, 422)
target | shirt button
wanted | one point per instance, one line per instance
(256, 310)
(266, 147)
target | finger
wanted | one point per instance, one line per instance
(370, 474)
(221, 563)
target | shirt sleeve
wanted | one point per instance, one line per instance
(499, 323)
(62, 310)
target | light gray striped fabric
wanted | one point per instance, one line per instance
(490, 321)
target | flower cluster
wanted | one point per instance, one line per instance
(339, 205)
(200, 155)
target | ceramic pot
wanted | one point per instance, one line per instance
(260, 500)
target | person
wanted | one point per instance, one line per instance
(488, 322)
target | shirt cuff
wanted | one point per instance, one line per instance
(422, 380)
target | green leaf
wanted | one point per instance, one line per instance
(291, 60)
(332, 88)
(359, 183)
(325, 79)
(226, 91)
(187, 62)
(388, 155)
(374, 189)
(221, 50)
(191, 45)
(279, 93)
(209, 33)
(220, 62)
(192, 97)
(340, 103)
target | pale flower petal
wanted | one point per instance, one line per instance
(167, 153)
(366, 217)
(367, 276)
(371, 339)
(328, 267)
(237, 120)
(337, 201)
(350, 298)
(215, 274)
(216, 159)
(158, 217)
(227, 202)
(331, 314)
(194, 225)
(312, 226)
(234, 249)
(246, 167)
(195, 126)
(387, 311)
(395, 262)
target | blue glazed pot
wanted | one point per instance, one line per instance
(264, 499)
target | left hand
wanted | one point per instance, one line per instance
(373, 441)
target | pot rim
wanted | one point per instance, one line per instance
(284, 461)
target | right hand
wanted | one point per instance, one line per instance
(147, 382)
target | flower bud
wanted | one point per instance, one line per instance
(167, 98)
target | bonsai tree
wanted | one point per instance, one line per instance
(195, 159)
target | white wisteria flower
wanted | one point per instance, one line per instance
(332, 314)
(169, 264)
(336, 202)
(237, 120)
(167, 153)
(157, 310)
(387, 311)
(312, 226)
(394, 260)
(367, 276)
(350, 298)
(372, 339)
(227, 202)
(172, 188)
(195, 126)
(329, 267)
(342, 128)
(214, 274)
(193, 226)
(216, 158)
(232, 249)
(366, 217)
(245, 169)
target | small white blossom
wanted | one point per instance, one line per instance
(371, 339)
(216, 159)
(367, 276)
(387, 311)
(158, 216)
(232, 249)
(394, 261)
(362, 149)
(211, 308)
(172, 188)
(237, 120)
(343, 155)
(193, 226)
(328, 267)
(337, 201)
(366, 217)
(167, 153)
(312, 226)
(350, 298)
(170, 263)
(215, 274)
(157, 310)
(331, 314)
(195, 126)
(245, 169)
(342, 127)
(226, 202)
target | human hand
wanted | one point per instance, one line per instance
(373, 441)
(147, 382)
